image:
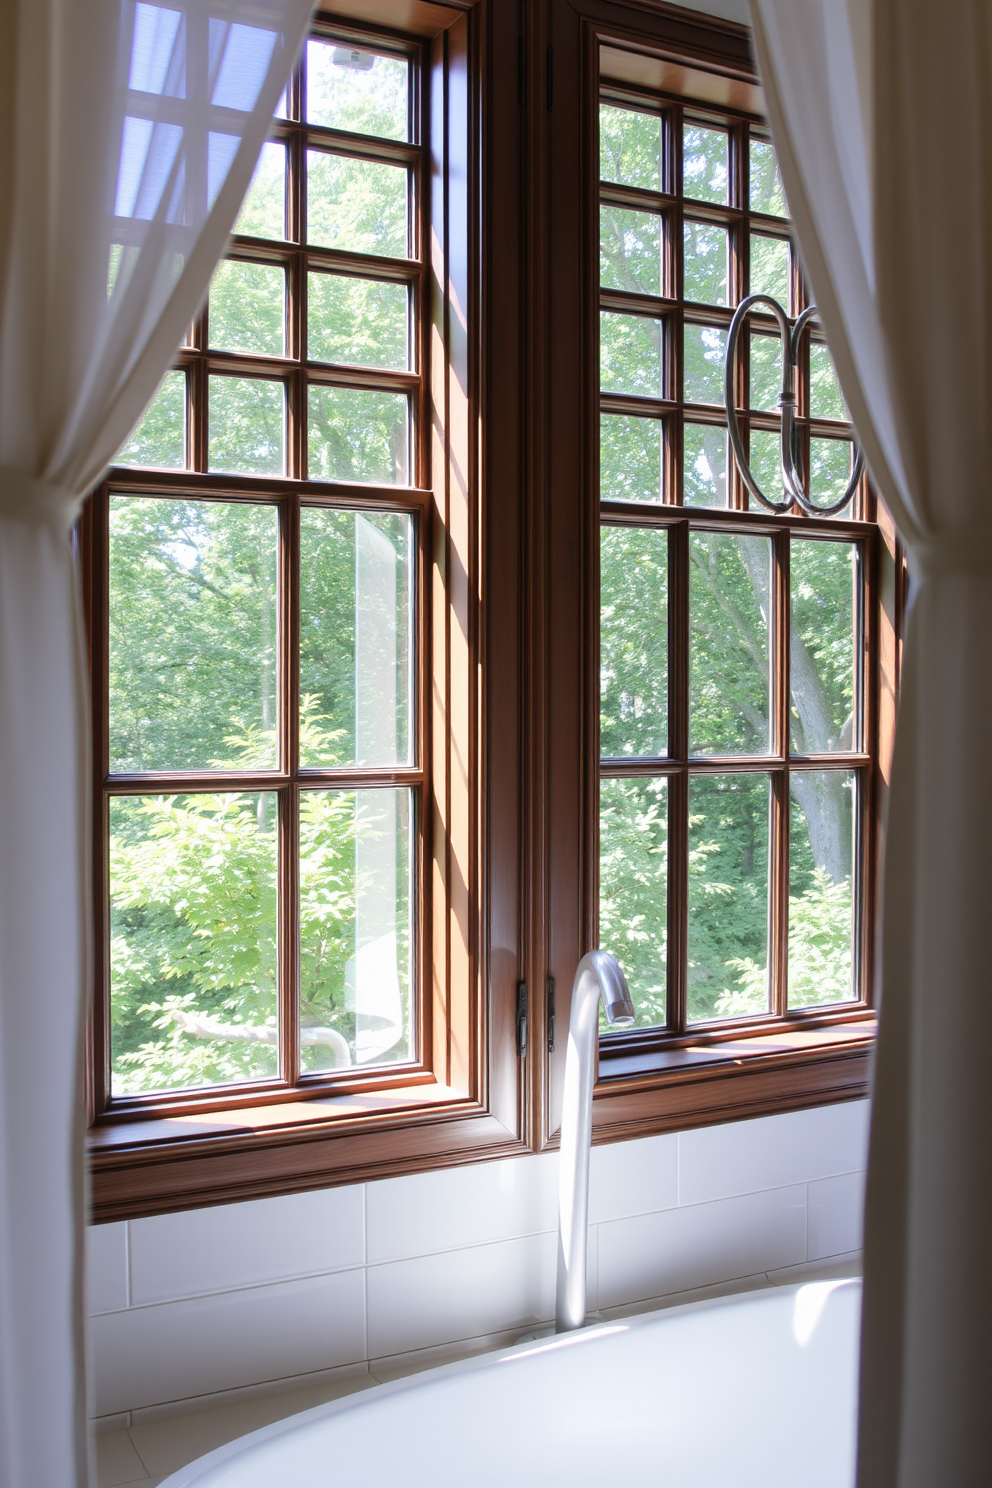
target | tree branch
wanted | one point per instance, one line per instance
(209, 1028)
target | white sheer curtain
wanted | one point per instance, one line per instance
(128, 135)
(882, 115)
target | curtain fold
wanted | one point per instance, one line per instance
(128, 135)
(880, 110)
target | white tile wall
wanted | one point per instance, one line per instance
(386, 1275)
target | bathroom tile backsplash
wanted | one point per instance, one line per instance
(189, 1305)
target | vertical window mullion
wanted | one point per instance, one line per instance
(672, 123)
(781, 743)
(678, 783)
(289, 731)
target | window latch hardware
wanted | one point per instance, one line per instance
(551, 1015)
(521, 1019)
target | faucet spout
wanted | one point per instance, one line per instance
(597, 979)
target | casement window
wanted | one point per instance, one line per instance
(435, 636)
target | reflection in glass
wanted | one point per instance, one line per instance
(705, 263)
(160, 438)
(247, 424)
(357, 321)
(705, 163)
(766, 371)
(630, 147)
(729, 606)
(825, 397)
(360, 205)
(633, 644)
(770, 268)
(630, 458)
(821, 900)
(355, 945)
(704, 480)
(728, 896)
(765, 460)
(192, 635)
(248, 308)
(355, 434)
(193, 959)
(263, 211)
(766, 190)
(829, 469)
(362, 92)
(703, 364)
(633, 888)
(631, 355)
(822, 660)
(630, 250)
(356, 637)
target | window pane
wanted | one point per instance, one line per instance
(830, 469)
(356, 90)
(630, 147)
(705, 161)
(631, 354)
(358, 435)
(355, 931)
(192, 635)
(729, 601)
(263, 211)
(633, 888)
(160, 438)
(821, 900)
(766, 371)
(767, 192)
(823, 578)
(704, 479)
(248, 308)
(633, 642)
(356, 637)
(770, 268)
(705, 260)
(193, 959)
(630, 458)
(765, 459)
(357, 321)
(825, 397)
(728, 896)
(356, 204)
(630, 250)
(703, 368)
(247, 425)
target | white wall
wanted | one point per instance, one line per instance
(731, 10)
(357, 1279)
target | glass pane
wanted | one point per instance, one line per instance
(633, 642)
(356, 434)
(360, 205)
(705, 347)
(631, 348)
(830, 469)
(356, 90)
(356, 637)
(360, 321)
(766, 371)
(824, 599)
(630, 147)
(821, 901)
(247, 425)
(263, 211)
(355, 941)
(825, 397)
(704, 477)
(193, 959)
(633, 888)
(766, 462)
(729, 682)
(160, 438)
(728, 896)
(630, 458)
(705, 260)
(248, 308)
(192, 635)
(770, 268)
(705, 163)
(767, 191)
(630, 250)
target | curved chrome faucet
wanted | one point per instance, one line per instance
(598, 977)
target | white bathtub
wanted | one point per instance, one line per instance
(753, 1391)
